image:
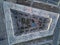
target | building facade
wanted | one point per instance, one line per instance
(30, 22)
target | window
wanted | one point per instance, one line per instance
(26, 23)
